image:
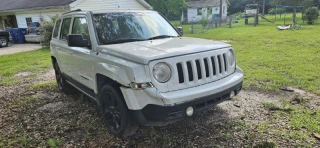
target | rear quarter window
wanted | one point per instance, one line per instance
(65, 28)
(56, 29)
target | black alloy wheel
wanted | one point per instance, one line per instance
(115, 113)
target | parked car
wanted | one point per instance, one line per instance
(139, 68)
(4, 38)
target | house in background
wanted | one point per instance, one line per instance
(198, 9)
(20, 13)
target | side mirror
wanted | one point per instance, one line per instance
(180, 29)
(76, 40)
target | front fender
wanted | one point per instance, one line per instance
(122, 71)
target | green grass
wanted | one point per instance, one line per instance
(297, 124)
(32, 61)
(272, 58)
(24, 102)
(44, 86)
(54, 143)
(306, 119)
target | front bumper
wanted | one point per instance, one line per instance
(149, 106)
(151, 115)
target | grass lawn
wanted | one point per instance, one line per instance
(30, 62)
(272, 58)
(269, 58)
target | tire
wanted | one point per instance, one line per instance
(115, 113)
(62, 83)
(4, 42)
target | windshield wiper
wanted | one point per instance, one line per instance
(160, 37)
(119, 41)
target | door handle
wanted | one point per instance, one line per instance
(70, 52)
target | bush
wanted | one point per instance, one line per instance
(239, 15)
(204, 22)
(311, 15)
(46, 31)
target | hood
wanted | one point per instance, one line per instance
(145, 51)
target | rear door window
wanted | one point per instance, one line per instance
(65, 28)
(56, 29)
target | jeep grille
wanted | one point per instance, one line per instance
(196, 69)
(202, 69)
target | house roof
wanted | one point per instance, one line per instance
(7, 5)
(204, 3)
(12, 5)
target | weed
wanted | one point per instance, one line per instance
(274, 107)
(23, 102)
(89, 127)
(300, 100)
(270, 105)
(263, 126)
(45, 86)
(54, 143)
(265, 145)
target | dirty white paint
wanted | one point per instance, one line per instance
(36, 16)
(87, 5)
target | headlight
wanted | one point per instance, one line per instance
(231, 56)
(162, 72)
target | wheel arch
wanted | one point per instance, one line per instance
(102, 80)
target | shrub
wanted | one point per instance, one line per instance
(46, 31)
(311, 14)
(239, 15)
(204, 22)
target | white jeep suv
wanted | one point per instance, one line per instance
(139, 68)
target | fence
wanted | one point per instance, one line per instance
(237, 21)
(203, 26)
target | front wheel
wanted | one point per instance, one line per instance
(115, 113)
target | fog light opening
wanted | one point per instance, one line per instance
(232, 94)
(190, 111)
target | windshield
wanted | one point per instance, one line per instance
(131, 26)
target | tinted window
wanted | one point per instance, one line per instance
(65, 28)
(56, 29)
(80, 26)
(131, 25)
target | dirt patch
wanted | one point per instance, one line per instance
(53, 107)
(249, 105)
(23, 74)
(75, 121)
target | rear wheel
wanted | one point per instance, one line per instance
(3, 42)
(62, 83)
(115, 113)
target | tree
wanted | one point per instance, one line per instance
(239, 5)
(169, 8)
(294, 3)
(46, 31)
(311, 14)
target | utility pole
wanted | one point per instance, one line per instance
(263, 7)
(220, 13)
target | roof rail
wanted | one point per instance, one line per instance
(77, 10)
